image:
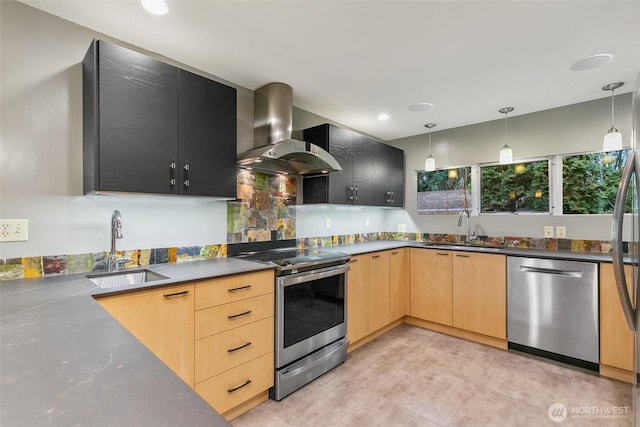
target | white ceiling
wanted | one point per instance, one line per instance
(350, 60)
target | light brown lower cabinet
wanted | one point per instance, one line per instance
(378, 290)
(162, 319)
(398, 283)
(464, 290)
(358, 298)
(216, 334)
(616, 340)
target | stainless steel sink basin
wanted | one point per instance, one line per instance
(124, 278)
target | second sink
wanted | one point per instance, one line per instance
(124, 278)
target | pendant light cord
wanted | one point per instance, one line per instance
(612, 102)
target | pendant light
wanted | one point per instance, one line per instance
(506, 153)
(430, 162)
(613, 138)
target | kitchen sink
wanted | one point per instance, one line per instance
(124, 278)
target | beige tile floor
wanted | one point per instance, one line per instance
(414, 377)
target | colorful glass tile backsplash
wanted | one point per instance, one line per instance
(264, 210)
(29, 267)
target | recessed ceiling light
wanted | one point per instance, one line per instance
(157, 7)
(419, 107)
(591, 62)
(383, 116)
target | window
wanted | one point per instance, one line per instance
(590, 182)
(521, 187)
(444, 192)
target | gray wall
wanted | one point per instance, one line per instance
(41, 151)
(571, 129)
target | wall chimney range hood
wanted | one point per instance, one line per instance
(275, 151)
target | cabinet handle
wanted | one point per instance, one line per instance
(353, 260)
(187, 168)
(241, 288)
(235, 316)
(172, 173)
(350, 192)
(462, 256)
(392, 197)
(176, 294)
(245, 345)
(395, 253)
(246, 383)
(375, 256)
(442, 254)
(356, 193)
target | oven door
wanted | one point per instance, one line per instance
(310, 312)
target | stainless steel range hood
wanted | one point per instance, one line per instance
(275, 151)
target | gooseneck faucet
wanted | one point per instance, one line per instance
(116, 233)
(465, 213)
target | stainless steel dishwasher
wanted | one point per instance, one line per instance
(552, 309)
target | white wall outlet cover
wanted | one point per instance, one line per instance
(402, 228)
(14, 230)
(561, 232)
(548, 231)
(367, 222)
(328, 223)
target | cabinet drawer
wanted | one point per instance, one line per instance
(231, 388)
(233, 288)
(221, 352)
(221, 318)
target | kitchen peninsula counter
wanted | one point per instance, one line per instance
(65, 361)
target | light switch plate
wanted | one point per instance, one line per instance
(402, 228)
(561, 232)
(328, 223)
(548, 231)
(367, 223)
(14, 230)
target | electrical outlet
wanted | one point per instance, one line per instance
(328, 223)
(367, 223)
(561, 232)
(548, 231)
(402, 228)
(14, 230)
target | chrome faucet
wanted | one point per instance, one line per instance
(465, 213)
(116, 233)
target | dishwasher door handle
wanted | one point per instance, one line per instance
(541, 270)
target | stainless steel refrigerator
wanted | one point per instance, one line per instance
(629, 189)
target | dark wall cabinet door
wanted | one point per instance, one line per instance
(144, 120)
(368, 167)
(388, 176)
(207, 134)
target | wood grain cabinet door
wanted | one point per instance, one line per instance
(358, 298)
(398, 284)
(163, 320)
(379, 290)
(479, 293)
(431, 285)
(616, 340)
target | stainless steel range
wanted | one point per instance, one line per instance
(310, 311)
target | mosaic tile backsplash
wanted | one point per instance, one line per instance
(29, 267)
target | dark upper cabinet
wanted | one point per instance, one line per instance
(367, 165)
(388, 176)
(150, 127)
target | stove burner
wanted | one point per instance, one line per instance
(292, 260)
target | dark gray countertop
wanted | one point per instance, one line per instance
(64, 361)
(361, 248)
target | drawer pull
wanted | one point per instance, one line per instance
(241, 288)
(441, 254)
(375, 256)
(462, 256)
(395, 253)
(177, 294)
(247, 344)
(246, 383)
(235, 316)
(353, 260)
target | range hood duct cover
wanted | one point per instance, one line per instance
(275, 151)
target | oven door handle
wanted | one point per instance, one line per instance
(307, 276)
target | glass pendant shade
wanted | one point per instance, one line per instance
(612, 140)
(506, 154)
(430, 163)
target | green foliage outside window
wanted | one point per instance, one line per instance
(590, 182)
(444, 192)
(522, 187)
